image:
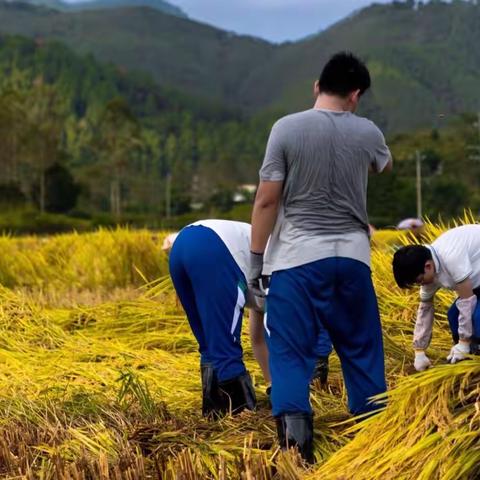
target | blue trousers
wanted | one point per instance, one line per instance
(211, 288)
(324, 344)
(337, 294)
(453, 314)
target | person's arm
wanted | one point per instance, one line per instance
(466, 303)
(267, 201)
(457, 264)
(381, 157)
(389, 166)
(422, 334)
(259, 346)
(464, 289)
(264, 215)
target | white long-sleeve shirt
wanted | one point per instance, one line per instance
(456, 256)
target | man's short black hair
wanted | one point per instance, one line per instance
(343, 74)
(408, 263)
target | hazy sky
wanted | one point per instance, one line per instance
(274, 20)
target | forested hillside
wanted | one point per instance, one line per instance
(88, 138)
(63, 6)
(121, 144)
(121, 137)
(196, 58)
(423, 59)
(421, 55)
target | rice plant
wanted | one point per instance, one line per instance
(99, 379)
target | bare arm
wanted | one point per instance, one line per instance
(264, 215)
(259, 346)
(389, 166)
(386, 169)
(464, 289)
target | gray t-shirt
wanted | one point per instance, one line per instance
(323, 158)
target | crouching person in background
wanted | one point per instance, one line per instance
(452, 261)
(208, 265)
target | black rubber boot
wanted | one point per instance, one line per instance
(296, 430)
(238, 394)
(212, 399)
(268, 391)
(321, 371)
(475, 346)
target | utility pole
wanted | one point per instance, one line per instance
(418, 159)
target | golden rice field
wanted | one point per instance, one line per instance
(99, 379)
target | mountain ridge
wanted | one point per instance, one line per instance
(420, 56)
(63, 6)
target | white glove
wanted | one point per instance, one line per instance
(458, 352)
(422, 362)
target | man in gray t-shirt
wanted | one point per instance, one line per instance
(322, 157)
(311, 202)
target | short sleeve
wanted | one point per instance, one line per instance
(458, 267)
(274, 167)
(379, 152)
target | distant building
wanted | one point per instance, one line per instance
(244, 193)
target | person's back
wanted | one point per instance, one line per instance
(459, 252)
(327, 154)
(323, 157)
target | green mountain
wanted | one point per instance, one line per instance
(129, 144)
(177, 52)
(78, 6)
(423, 60)
(422, 56)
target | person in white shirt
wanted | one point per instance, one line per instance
(452, 261)
(208, 264)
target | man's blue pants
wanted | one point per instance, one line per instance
(337, 294)
(211, 288)
(324, 344)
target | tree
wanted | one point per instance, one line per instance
(119, 136)
(12, 132)
(43, 139)
(61, 190)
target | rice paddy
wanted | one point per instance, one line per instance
(99, 379)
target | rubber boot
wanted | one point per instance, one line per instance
(475, 346)
(212, 399)
(321, 371)
(296, 430)
(268, 391)
(239, 394)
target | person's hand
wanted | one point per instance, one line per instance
(255, 275)
(459, 352)
(255, 302)
(422, 362)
